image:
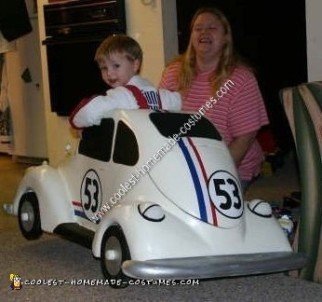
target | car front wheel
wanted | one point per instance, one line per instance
(29, 216)
(114, 251)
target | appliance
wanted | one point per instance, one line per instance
(74, 29)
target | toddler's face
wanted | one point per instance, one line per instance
(117, 69)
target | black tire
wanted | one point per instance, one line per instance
(114, 240)
(29, 216)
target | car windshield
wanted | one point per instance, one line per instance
(183, 124)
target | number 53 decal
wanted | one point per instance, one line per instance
(91, 193)
(225, 193)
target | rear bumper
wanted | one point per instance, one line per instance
(214, 266)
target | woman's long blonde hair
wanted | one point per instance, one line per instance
(228, 61)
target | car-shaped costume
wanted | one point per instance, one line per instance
(157, 196)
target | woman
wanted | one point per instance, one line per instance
(211, 69)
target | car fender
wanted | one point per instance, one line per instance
(135, 230)
(191, 238)
(114, 217)
(52, 195)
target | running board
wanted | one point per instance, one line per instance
(76, 233)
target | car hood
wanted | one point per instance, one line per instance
(199, 176)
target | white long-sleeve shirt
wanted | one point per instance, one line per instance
(90, 112)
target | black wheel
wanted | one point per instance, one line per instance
(114, 251)
(29, 216)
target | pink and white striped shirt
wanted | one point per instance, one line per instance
(239, 111)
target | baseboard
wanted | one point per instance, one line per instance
(28, 159)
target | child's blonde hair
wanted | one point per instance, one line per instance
(119, 44)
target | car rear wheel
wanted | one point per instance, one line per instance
(29, 216)
(114, 251)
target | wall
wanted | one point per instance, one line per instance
(153, 23)
(144, 22)
(25, 97)
(314, 39)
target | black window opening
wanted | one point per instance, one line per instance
(126, 150)
(97, 141)
(170, 124)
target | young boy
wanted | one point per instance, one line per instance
(119, 58)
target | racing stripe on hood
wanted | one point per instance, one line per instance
(199, 177)
(205, 180)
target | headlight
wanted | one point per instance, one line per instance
(260, 208)
(151, 211)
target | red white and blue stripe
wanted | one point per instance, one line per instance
(199, 177)
(78, 209)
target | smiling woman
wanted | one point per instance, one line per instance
(210, 35)
(209, 61)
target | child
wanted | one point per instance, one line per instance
(119, 58)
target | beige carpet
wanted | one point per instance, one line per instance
(281, 183)
(53, 258)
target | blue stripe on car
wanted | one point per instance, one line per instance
(196, 181)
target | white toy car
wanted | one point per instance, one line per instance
(155, 195)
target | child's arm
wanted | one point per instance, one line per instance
(170, 100)
(91, 110)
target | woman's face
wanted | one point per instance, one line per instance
(208, 35)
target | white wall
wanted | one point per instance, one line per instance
(153, 23)
(26, 98)
(144, 23)
(314, 39)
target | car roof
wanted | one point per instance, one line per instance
(151, 130)
(147, 122)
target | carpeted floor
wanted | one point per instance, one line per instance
(273, 187)
(52, 257)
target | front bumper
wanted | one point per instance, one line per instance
(214, 266)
